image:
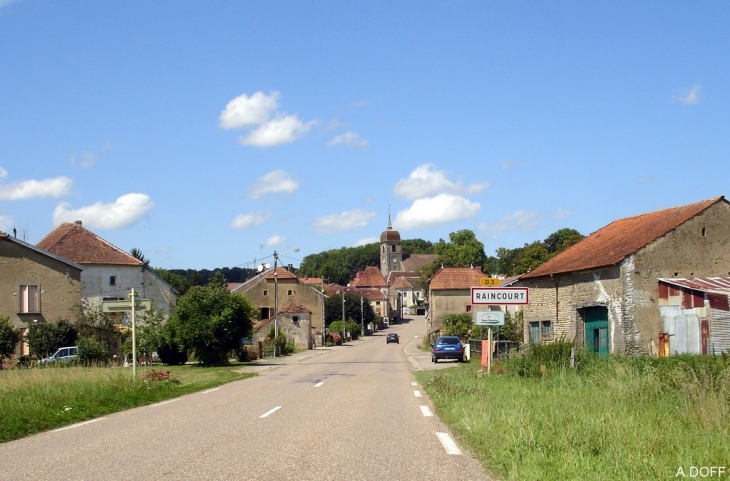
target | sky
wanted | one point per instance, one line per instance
(213, 134)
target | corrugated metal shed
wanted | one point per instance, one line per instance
(720, 285)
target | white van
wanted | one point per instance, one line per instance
(62, 354)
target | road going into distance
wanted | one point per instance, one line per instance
(353, 412)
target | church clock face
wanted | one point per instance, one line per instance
(395, 260)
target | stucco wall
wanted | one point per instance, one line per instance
(447, 301)
(58, 292)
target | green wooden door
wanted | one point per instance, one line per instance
(596, 329)
(534, 332)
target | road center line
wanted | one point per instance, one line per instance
(417, 393)
(426, 411)
(270, 412)
(448, 444)
(77, 425)
(319, 384)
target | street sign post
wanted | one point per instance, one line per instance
(133, 305)
(499, 296)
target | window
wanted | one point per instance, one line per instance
(290, 292)
(295, 319)
(266, 293)
(541, 331)
(112, 280)
(29, 301)
(393, 248)
(547, 330)
(468, 308)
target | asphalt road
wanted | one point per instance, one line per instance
(353, 412)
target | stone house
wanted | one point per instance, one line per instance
(271, 290)
(295, 321)
(109, 272)
(36, 285)
(604, 292)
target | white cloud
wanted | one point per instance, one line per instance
(688, 96)
(520, 220)
(351, 140)
(281, 130)
(30, 189)
(435, 210)
(3, 173)
(244, 110)
(275, 241)
(244, 221)
(274, 182)
(127, 210)
(426, 181)
(348, 220)
(366, 241)
(6, 223)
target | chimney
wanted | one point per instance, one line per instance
(78, 222)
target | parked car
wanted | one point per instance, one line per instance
(447, 347)
(62, 354)
(392, 337)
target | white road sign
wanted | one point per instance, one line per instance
(489, 318)
(498, 296)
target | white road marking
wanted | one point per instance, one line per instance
(448, 444)
(319, 384)
(426, 411)
(78, 424)
(417, 393)
(165, 402)
(270, 412)
(211, 390)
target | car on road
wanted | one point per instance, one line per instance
(62, 354)
(447, 347)
(392, 337)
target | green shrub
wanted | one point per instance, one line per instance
(171, 353)
(554, 356)
(92, 351)
(45, 338)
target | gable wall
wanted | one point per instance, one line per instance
(59, 293)
(96, 286)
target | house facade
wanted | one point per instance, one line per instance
(109, 272)
(36, 285)
(604, 293)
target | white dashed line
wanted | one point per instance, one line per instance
(448, 444)
(270, 412)
(166, 402)
(417, 393)
(211, 390)
(319, 384)
(78, 425)
(426, 411)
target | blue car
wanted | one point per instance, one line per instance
(447, 347)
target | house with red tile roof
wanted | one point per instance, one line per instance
(604, 293)
(273, 290)
(109, 272)
(36, 286)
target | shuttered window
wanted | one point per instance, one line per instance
(29, 302)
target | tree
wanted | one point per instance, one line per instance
(210, 322)
(177, 281)
(93, 323)
(137, 254)
(333, 309)
(9, 338)
(44, 338)
(561, 239)
(458, 325)
(532, 256)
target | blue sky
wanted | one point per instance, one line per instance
(209, 134)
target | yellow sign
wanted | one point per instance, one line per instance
(489, 281)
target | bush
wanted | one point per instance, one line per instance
(45, 338)
(247, 353)
(92, 351)
(9, 338)
(171, 353)
(554, 356)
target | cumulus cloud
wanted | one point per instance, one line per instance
(688, 96)
(344, 221)
(426, 181)
(3, 173)
(244, 111)
(6, 223)
(281, 130)
(349, 139)
(435, 210)
(127, 210)
(244, 221)
(33, 189)
(274, 182)
(366, 241)
(520, 220)
(275, 241)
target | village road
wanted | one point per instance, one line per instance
(353, 412)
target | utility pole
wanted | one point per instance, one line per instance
(362, 318)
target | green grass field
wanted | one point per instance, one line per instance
(36, 400)
(616, 419)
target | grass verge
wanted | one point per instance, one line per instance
(617, 419)
(36, 400)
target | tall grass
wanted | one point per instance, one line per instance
(613, 419)
(36, 400)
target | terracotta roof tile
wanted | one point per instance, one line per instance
(611, 244)
(80, 245)
(281, 273)
(372, 277)
(295, 307)
(457, 278)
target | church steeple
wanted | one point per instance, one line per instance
(391, 256)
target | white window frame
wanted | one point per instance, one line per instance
(29, 299)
